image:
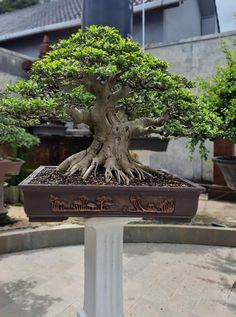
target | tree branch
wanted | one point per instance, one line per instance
(79, 115)
(146, 122)
(141, 131)
(145, 126)
(123, 92)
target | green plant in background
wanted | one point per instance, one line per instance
(106, 82)
(16, 114)
(12, 5)
(218, 95)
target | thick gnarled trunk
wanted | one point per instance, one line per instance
(110, 148)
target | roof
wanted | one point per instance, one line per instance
(42, 17)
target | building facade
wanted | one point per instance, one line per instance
(165, 21)
(174, 20)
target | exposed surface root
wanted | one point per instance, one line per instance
(112, 168)
(81, 161)
(109, 150)
(123, 167)
(92, 168)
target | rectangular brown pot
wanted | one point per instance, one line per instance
(58, 202)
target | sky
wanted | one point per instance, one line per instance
(226, 9)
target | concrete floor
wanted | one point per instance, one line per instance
(160, 280)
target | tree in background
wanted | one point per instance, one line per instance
(12, 5)
(108, 83)
(219, 94)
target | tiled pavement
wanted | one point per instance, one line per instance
(160, 280)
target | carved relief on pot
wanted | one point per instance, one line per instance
(101, 204)
(81, 204)
(158, 205)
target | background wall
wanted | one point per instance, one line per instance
(10, 67)
(182, 22)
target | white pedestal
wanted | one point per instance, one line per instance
(103, 284)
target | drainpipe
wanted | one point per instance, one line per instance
(143, 26)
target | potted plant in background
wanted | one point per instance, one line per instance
(46, 120)
(219, 96)
(106, 82)
(50, 124)
(12, 137)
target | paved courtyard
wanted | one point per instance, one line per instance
(160, 280)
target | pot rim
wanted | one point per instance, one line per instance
(193, 186)
(228, 160)
(11, 159)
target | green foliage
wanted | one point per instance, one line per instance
(219, 96)
(16, 114)
(12, 125)
(12, 5)
(65, 76)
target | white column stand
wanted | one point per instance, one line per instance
(103, 283)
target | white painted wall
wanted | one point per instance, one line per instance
(182, 22)
(11, 67)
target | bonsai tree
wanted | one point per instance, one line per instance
(107, 82)
(219, 95)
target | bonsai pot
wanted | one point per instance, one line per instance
(227, 165)
(9, 167)
(49, 129)
(149, 143)
(44, 202)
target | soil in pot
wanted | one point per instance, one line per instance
(50, 176)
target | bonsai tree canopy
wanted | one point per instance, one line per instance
(107, 82)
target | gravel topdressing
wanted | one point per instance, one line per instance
(51, 177)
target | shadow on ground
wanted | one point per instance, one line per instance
(20, 299)
(224, 264)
